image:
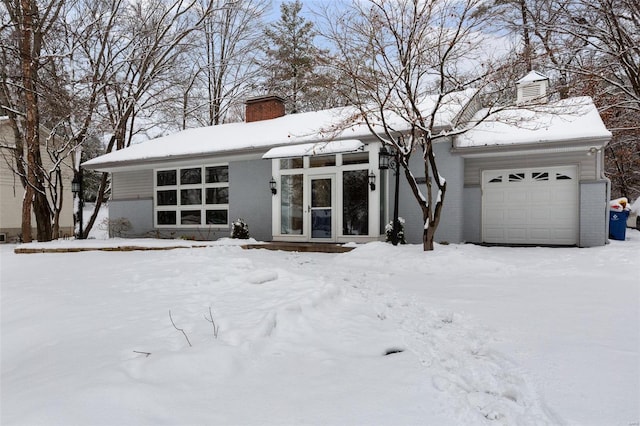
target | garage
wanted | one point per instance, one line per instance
(530, 206)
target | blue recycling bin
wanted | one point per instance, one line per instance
(618, 224)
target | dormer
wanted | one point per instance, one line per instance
(532, 88)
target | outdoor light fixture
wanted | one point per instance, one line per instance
(76, 189)
(75, 185)
(272, 185)
(372, 181)
(389, 160)
(384, 156)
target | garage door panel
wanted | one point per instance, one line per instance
(495, 217)
(515, 216)
(515, 196)
(540, 234)
(541, 196)
(531, 206)
(541, 215)
(495, 197)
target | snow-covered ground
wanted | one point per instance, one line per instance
(383, 335)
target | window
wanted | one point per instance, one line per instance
(291, 163)
(516, 177)
(192, 196)
(322, 161)
(540, 176)
(355, 202)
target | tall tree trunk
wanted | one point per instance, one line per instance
(30, 117)
(34, 192)
(526, 39)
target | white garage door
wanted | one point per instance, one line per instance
(530, 206)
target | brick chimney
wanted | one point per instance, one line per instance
(264, 108)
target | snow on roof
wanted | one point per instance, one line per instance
(310, 127)
(531, 77)
(567, 119)
(318, 148)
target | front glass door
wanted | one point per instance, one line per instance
(291, 204)
(321, 207)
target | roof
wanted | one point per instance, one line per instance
(532, 77)
(226, 139)
(565, 120)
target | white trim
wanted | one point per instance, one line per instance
(531, 205)
(319, 148)
(178, 208)
(336, 172)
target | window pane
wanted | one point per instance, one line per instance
(516, 177)
(190, 176)
(321, 223)
(217, 196)
(166, 218)
(357, 158)
(190, 217)
(321, 193)
(355, 202)
(217, 174)
(166, 177)
(167, 198)
(291, 204)
(322, 161)
(190, 197)
(291, 163)
(217, 217)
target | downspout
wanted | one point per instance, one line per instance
(600, 172)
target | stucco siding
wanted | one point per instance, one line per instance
(452, 169)
(472, 214)
(250, 197)
(138, 212)
(594, 217)
(129, 185)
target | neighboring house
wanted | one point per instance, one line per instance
(521, 177)
(12, 192)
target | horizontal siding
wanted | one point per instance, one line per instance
(474, 166)
(132, 185)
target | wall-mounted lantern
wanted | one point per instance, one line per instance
(372, 181)
(273, 186)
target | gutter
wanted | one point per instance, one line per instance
(257, 152)
(502, 150)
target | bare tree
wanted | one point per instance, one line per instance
(405, 59)
(232, 33)
(122, 58)
(23, 37)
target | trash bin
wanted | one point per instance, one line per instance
(618, 224)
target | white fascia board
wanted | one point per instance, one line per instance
(318, 148)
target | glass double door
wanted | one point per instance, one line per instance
(324, 207)
(307, 207)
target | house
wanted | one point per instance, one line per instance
(12, 192)
(526, 176)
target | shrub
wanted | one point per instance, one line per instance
(388, 230)
(116, 227)
(239, 229)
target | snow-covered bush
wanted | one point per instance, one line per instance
(388, 230)
(239, 229)
(115, 227)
